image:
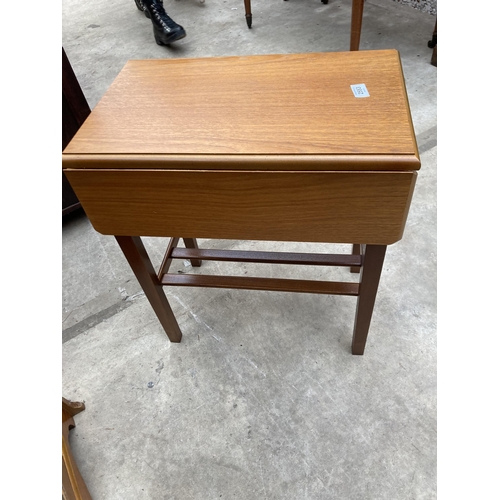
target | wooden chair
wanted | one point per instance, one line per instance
(356, 19)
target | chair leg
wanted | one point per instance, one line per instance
(138, 259)
(248, 13)
(370, 276)
(356, 21)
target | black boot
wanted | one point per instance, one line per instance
(165, 29)
(140, 6)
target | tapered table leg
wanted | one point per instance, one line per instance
(369, 279)
(138, 259)
(356, 21)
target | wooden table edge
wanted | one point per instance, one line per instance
(406, 162)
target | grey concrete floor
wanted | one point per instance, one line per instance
(262, 398)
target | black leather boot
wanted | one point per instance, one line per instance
(140, 6)
(165, 29)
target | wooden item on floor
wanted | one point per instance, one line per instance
(432, 44)
(75, 110)
(356, 23)
(252, 148)
(356, 19)
(73, 485)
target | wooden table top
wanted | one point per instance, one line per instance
(296, 109)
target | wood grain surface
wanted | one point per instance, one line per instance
(335, 207)
(242, 162)
(288, 104)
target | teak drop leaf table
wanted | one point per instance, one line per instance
(314, 147)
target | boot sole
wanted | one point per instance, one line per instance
(159, 40)
(166, 41)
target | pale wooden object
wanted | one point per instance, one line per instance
(299, 104)
(336, 207)
(73, 485)
(273, 147)
(292, 154)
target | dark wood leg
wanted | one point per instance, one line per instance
(191, 243)
(248, 13)
(434, 57)
(138, 259)
(356, 250)
(432, 44)
(370, 276)
(356, 21)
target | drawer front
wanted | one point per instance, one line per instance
(336, 207)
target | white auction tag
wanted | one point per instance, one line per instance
(360, 90)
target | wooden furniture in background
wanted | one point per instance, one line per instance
(229, 159)
(356, 19)
(73, 485)
(75, 110)
(356, 23)
(432, 44)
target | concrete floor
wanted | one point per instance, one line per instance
(262, 398)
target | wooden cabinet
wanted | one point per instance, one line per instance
(75, 110)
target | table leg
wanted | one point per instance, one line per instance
(192, 243)
(356, 21)
(371, 269)
(138, 259)
(356, 250)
